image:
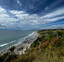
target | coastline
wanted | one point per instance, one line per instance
(22, 46)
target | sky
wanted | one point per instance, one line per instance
(31, 14)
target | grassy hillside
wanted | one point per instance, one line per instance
(48, 47)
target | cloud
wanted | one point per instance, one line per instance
(2, 10)
(57, 12)
(26, 20)
(18, 1)
(54, 4)
(31, 6)
(54, 27)
(5, 19)
(35, 19)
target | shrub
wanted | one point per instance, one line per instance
(12, 48)
(59, 33)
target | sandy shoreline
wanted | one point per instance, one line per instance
(20, 49)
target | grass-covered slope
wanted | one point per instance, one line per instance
(48, 47)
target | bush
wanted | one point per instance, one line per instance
(59, 33)
(12, 48)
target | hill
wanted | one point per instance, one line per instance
(48, 47)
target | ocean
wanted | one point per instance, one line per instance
(10, 38)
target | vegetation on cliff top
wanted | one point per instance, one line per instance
(48, 47)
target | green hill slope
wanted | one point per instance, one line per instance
(48, 47)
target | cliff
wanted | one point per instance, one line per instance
(48, 47)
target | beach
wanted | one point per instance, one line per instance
(23, 46)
